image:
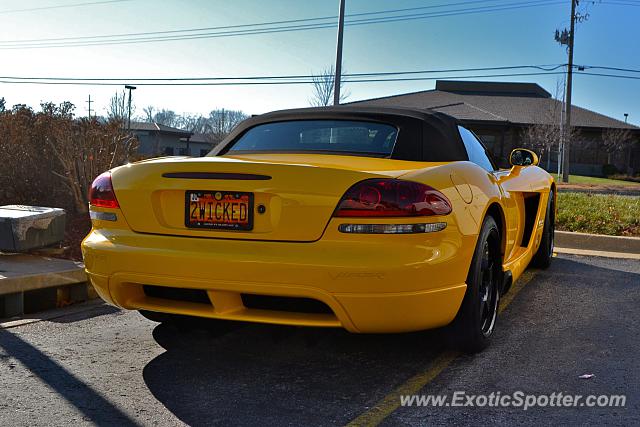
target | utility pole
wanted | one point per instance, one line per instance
(336, 80)
(129, 112)
(567, 117)
(561, 144)
(89, 102)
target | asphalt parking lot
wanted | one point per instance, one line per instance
(99, 365)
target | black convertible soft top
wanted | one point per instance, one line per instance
(422, 135)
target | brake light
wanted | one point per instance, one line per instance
(101, 193)
(392, 198)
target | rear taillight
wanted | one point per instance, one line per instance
(392, 198)
(101, 193)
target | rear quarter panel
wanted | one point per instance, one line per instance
(472, 190)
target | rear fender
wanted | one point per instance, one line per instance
(468, 188)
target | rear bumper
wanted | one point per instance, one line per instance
(370, 283)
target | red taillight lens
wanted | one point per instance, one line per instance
(392, 198)
(101, 193)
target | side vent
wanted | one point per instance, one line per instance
(531, 204)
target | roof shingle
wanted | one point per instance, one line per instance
(468, 102)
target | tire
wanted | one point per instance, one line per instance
(476, 319)
(544, 254)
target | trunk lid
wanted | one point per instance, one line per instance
(298, 192)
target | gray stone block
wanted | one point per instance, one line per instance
(11, 305)
(40, 300)
(23, 228)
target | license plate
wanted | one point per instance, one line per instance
(219, 210)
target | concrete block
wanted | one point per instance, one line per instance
(72, 294)
(11, 305)
(40, 300)
(78, 292)
(22, 272)
(30, 227)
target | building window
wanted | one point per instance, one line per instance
(489, 141)
(168, 151)
(182, 152)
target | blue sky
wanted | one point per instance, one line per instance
(610, 37)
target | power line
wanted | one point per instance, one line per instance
(285, 28)
(608, 75)
(228, 27)
(308, 78)
(551, 67)
(622, 3)
(64, 6)
(599, 67)
(282, 82)
(288, 27)
(298, 79)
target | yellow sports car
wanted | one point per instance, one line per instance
(370, 219)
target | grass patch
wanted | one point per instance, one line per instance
(592, 180)
(599, 214)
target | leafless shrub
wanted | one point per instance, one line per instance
(50, 158)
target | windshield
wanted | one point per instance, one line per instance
(329, 136)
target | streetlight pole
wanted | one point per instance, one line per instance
(129, 110)
(336, 80)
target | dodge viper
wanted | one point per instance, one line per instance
(375, 220)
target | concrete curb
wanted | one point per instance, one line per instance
(53, 314)
(606, 191)
(30, 283)
(605, 254)
(598, 242)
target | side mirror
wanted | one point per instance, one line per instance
(523, 157)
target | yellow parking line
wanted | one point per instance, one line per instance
(376, 414)
(391, 401)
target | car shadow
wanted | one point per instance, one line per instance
(260, 374)
(263, 374)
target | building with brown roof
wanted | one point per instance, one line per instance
(157, 139)
(500, 113)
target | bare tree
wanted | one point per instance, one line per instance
(221, 122)
(167, 118)
(547, 133)
(117, 108)
(216, 126)
(149, 114)
(617, 140)
(542, 137)
(193, 123)
(323, 85)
